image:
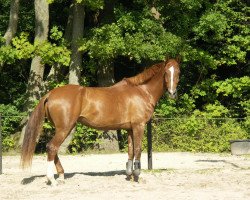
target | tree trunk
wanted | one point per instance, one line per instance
(105, 74)
(69, 25)
(76, 57)
(12, 27)
(52, 77)
(77, 33)
(107, 15)
(37, 68)
(55, 70)
(13, 20)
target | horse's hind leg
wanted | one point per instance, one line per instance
(52, 150)
(59, 169)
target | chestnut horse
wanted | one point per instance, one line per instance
(128, 105)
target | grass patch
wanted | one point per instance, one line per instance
(168, 170)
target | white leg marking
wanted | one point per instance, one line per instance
(50, 167)
(50, 173)
(171, 69)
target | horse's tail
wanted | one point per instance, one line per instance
(32, 132)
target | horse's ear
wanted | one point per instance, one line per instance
(178, 59)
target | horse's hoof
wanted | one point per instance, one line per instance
(129, 177)
(136, 179)
(52, 182)
(60, 179)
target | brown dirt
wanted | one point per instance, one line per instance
(175, 176)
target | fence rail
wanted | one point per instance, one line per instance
(151, 127)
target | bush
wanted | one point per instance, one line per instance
(197, 134)
(11, 119)
(84, 138)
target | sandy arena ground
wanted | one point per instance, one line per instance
(175, 176)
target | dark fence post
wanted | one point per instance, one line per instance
(149, 137)
(1, 168)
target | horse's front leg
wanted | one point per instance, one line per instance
(129, 164)
(138, 131)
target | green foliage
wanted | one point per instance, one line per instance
(56, 34)
(237, 87)
(84, 138)
(224, 25)
(11, 118)
(23, 48)
(7, 55)
(211, 36)
(145, 37)
(232, 93)
(93, 5)
(134, 35)
(196, 134)
(211, 22)
(4, 16)
(51, 53)
(209, 128)
(105, 42)
(169, 108)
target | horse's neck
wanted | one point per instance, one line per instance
(155, 87)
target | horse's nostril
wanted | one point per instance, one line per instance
(173, 92)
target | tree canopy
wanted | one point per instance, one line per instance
(212, 38)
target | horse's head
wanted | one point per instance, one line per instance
(172, 73)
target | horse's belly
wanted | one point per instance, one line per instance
(105, 124)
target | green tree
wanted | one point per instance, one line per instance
(211, 36)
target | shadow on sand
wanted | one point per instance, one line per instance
(29, 180)
(108, 173)
(224, 161)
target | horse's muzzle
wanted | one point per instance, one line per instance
(172, 95)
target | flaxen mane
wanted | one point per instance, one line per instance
(145, 75)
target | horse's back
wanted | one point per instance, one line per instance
(66, 90)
